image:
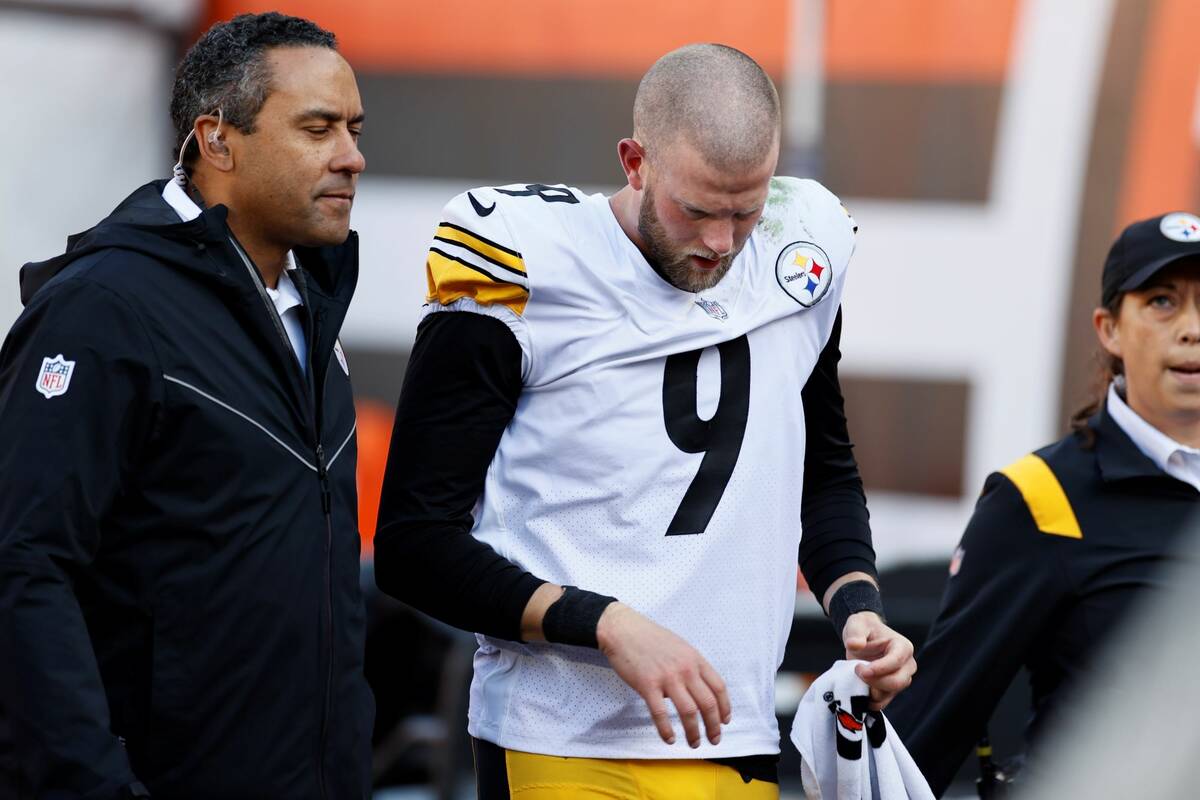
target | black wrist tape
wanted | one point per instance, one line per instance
(851, 598)
(572, 618)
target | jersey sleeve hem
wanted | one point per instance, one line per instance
(514, 323)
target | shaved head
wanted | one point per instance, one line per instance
(716, 98)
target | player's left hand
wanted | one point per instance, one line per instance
(890, 666)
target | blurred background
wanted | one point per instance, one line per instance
(989, 150)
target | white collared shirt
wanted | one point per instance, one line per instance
(1175, 459)
(285, 295)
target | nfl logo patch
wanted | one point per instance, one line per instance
(804, 272)
(713, 308)
(956, 561)
(55, 376)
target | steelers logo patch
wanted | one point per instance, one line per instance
(1181, 227)
(804, 272)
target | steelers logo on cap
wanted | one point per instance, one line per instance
(1181, 227)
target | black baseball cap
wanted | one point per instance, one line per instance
(1144, 248)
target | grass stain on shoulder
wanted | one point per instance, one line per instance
(779, 191)
(779, 196)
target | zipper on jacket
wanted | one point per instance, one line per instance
(327, 509)
(322, 474)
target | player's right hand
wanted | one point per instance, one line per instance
(660, 665)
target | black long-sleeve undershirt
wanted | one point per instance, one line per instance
(460, 392)
(836, 537)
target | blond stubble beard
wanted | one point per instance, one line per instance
(673, 264)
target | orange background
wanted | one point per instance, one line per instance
(611, 38)
(926, 41)
(1162, 163)
(898, 40)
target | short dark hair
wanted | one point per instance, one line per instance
(228, 69)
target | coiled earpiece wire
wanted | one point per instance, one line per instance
(179, 173)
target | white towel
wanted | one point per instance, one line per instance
(849, 752)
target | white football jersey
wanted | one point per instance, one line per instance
(656, 453)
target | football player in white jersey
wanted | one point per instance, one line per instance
(621, 422)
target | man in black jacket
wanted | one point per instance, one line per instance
(180, 613)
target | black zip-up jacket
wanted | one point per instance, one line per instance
(179, 576)
(1027, 589)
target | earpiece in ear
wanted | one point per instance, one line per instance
(214, 139)
(178, 171)
(214, 136)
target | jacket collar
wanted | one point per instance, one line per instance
(1116, 455)
(145, 222)
(1156, 445)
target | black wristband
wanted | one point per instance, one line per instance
(572, 618)
(851, 598)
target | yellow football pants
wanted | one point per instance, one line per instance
(537, 777)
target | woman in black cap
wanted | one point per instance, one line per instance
(1066, 538)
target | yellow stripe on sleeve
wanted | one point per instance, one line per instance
(450, 279)
(1044, 496)
(496, 253)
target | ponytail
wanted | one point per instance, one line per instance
(1108, 369)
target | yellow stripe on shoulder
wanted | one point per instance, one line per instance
(494, 252)
(1044, 496)
(451, 279)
